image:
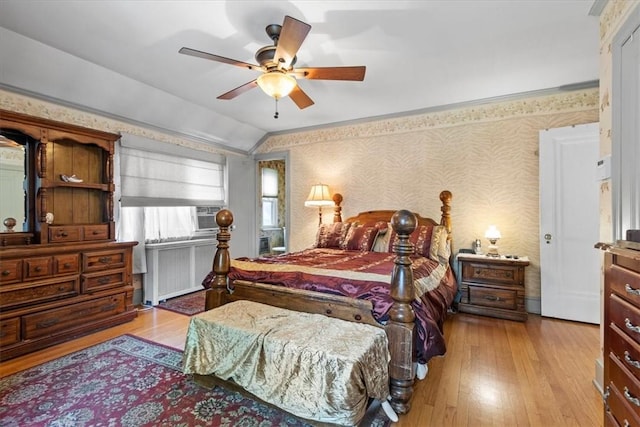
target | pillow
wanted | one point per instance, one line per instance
(331, 235)
(439, 250)
(362, 237)
(421, 239)
(382, 240)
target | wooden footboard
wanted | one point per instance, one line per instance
(399, 328)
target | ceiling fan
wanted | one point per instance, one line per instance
(278, 78)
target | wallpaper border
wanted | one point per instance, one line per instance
(575, 101)
(48, 110)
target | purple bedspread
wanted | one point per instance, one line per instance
(362, 275)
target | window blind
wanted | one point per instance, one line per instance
(153, 173)
(269, 182)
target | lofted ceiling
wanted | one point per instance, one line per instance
(120, 58)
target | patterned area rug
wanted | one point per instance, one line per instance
(188, 304)
(128, 381)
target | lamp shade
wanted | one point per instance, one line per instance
(276, 84)
(492, 233)
(319, 196)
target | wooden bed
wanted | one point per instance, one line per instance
(400, 326)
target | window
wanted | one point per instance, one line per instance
(269, 212)
(269, 197)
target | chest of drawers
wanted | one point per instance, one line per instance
(52, 293)
(622, 337)
(493, 286)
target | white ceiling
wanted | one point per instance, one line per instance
(120, 58)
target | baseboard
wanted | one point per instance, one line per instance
(532, 305)
(598, 381)
(137, 296)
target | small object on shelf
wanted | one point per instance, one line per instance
(72, 178)
(49, 218)
(477, 247)
(9, 223)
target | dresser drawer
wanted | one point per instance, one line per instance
(66, 264)
(96, 232)
(67, 233)
(624, 282)
(490, 297)
(621, 410)
(37, 292)
(103, 260)
(65, 318)
(9, 331)
(625, 349)
(98, 281)
(38, 267)
(626, 383)
(625, 316)
(491, 273)
(10, 271)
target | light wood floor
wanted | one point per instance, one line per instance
(496, 372)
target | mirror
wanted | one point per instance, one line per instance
(14, 184)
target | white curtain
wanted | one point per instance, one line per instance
(163, 224)
(131, 228)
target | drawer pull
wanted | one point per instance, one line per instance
(630, 326)
(6, 272)
(66, 265)
(626, 423)
(492, 298)
(38, 269)
(63, 234)
(630, 361)
(61, 288)
(47, 323)
(103, 280)
(95, 232)
(109, 307)
(105, 259)
(631, 291)
(630, 397)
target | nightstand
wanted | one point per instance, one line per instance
(493, 286)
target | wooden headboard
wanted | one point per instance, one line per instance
(385, 215)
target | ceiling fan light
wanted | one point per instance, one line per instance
(277, 84)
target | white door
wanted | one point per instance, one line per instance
(569, 223)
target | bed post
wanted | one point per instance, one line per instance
(221, 261)
(400, 328)
(337, 209)
(445, 219)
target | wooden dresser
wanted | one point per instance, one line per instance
(493, 286)
(49, 294)
(62, 274)
(622, 337)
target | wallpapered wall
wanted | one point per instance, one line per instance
(486, 155)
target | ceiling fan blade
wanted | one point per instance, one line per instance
(217, 58)
(291, 37)
(331, 73)
(239, 90)
(301, 99)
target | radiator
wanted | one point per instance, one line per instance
(176, 268)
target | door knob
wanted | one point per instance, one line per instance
(547, 237)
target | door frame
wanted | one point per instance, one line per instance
(279, 155)
(623, 169)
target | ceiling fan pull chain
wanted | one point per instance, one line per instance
(275, 116)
